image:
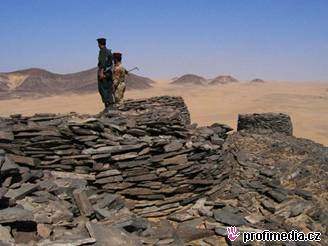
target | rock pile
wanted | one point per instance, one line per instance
(143, 175)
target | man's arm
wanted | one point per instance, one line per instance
(101, 63)
(102, 59)
(110, 58)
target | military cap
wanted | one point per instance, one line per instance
(101, 41)
(117, 56)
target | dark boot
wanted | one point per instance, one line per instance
(105, 110)
(111, 107)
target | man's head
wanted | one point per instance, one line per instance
(101, 42)
(117, 57)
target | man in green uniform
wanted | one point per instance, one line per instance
(105, 77)
(119, 73)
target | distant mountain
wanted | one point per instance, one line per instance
(257, 80)
(189, 79)
(3, 84)
(37, 81)
(223, 79)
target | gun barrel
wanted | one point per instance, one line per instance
(135, 68)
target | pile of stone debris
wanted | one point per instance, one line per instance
(143, 175)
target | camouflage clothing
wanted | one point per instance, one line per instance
(119, 82)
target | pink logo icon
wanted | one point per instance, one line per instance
(232, 233)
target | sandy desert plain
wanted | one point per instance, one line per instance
(305, 102)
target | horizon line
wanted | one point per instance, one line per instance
(165, 79)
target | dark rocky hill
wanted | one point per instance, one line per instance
(223, 79)
(189, 79)
(257, 80)
(41, 82)
(143, 175)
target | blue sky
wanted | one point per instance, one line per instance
(270, 39)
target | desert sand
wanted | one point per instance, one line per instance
(306, 103)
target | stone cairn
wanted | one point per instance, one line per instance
(141, 175)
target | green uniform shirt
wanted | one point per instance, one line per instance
(105, 59)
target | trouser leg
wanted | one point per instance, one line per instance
(120, 93)
(115, 93)
(101, 91)
(106, 91)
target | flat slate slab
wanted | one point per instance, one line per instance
(83, 202)
(227, 217)
(113, 149)
(15, 214)
(24, 160)
(21, 192)
(6, 136)
(107, 235)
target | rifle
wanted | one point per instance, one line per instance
(135, 68)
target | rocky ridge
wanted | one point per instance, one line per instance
(143, 175)
(39, 82)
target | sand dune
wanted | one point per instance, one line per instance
(307, 103)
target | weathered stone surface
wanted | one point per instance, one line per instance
(146, 177)
(136, 132)
(265, 123)
(69, 242)
(167, 174)
(276, 195)
(127, 156)
(113, 149)
(106, 235)
(106, 201)
(137, 191)
(111, 179)
(44, 230)
(83, 202)
(24, 160)
(227, 217)
(22, 191)
(173, 146)
(254, 218)
(190, 233)
(14, 214)
(158, 208)
(5, 236)
(177, 160)
(73, 175)
(181, 216)
(117, 186)
(6, 136)
(108, 173)
(303, 193)
(268, 205)
(8, 166)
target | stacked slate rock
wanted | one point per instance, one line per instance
(142, 175)
(265, 123)
(58, 169)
